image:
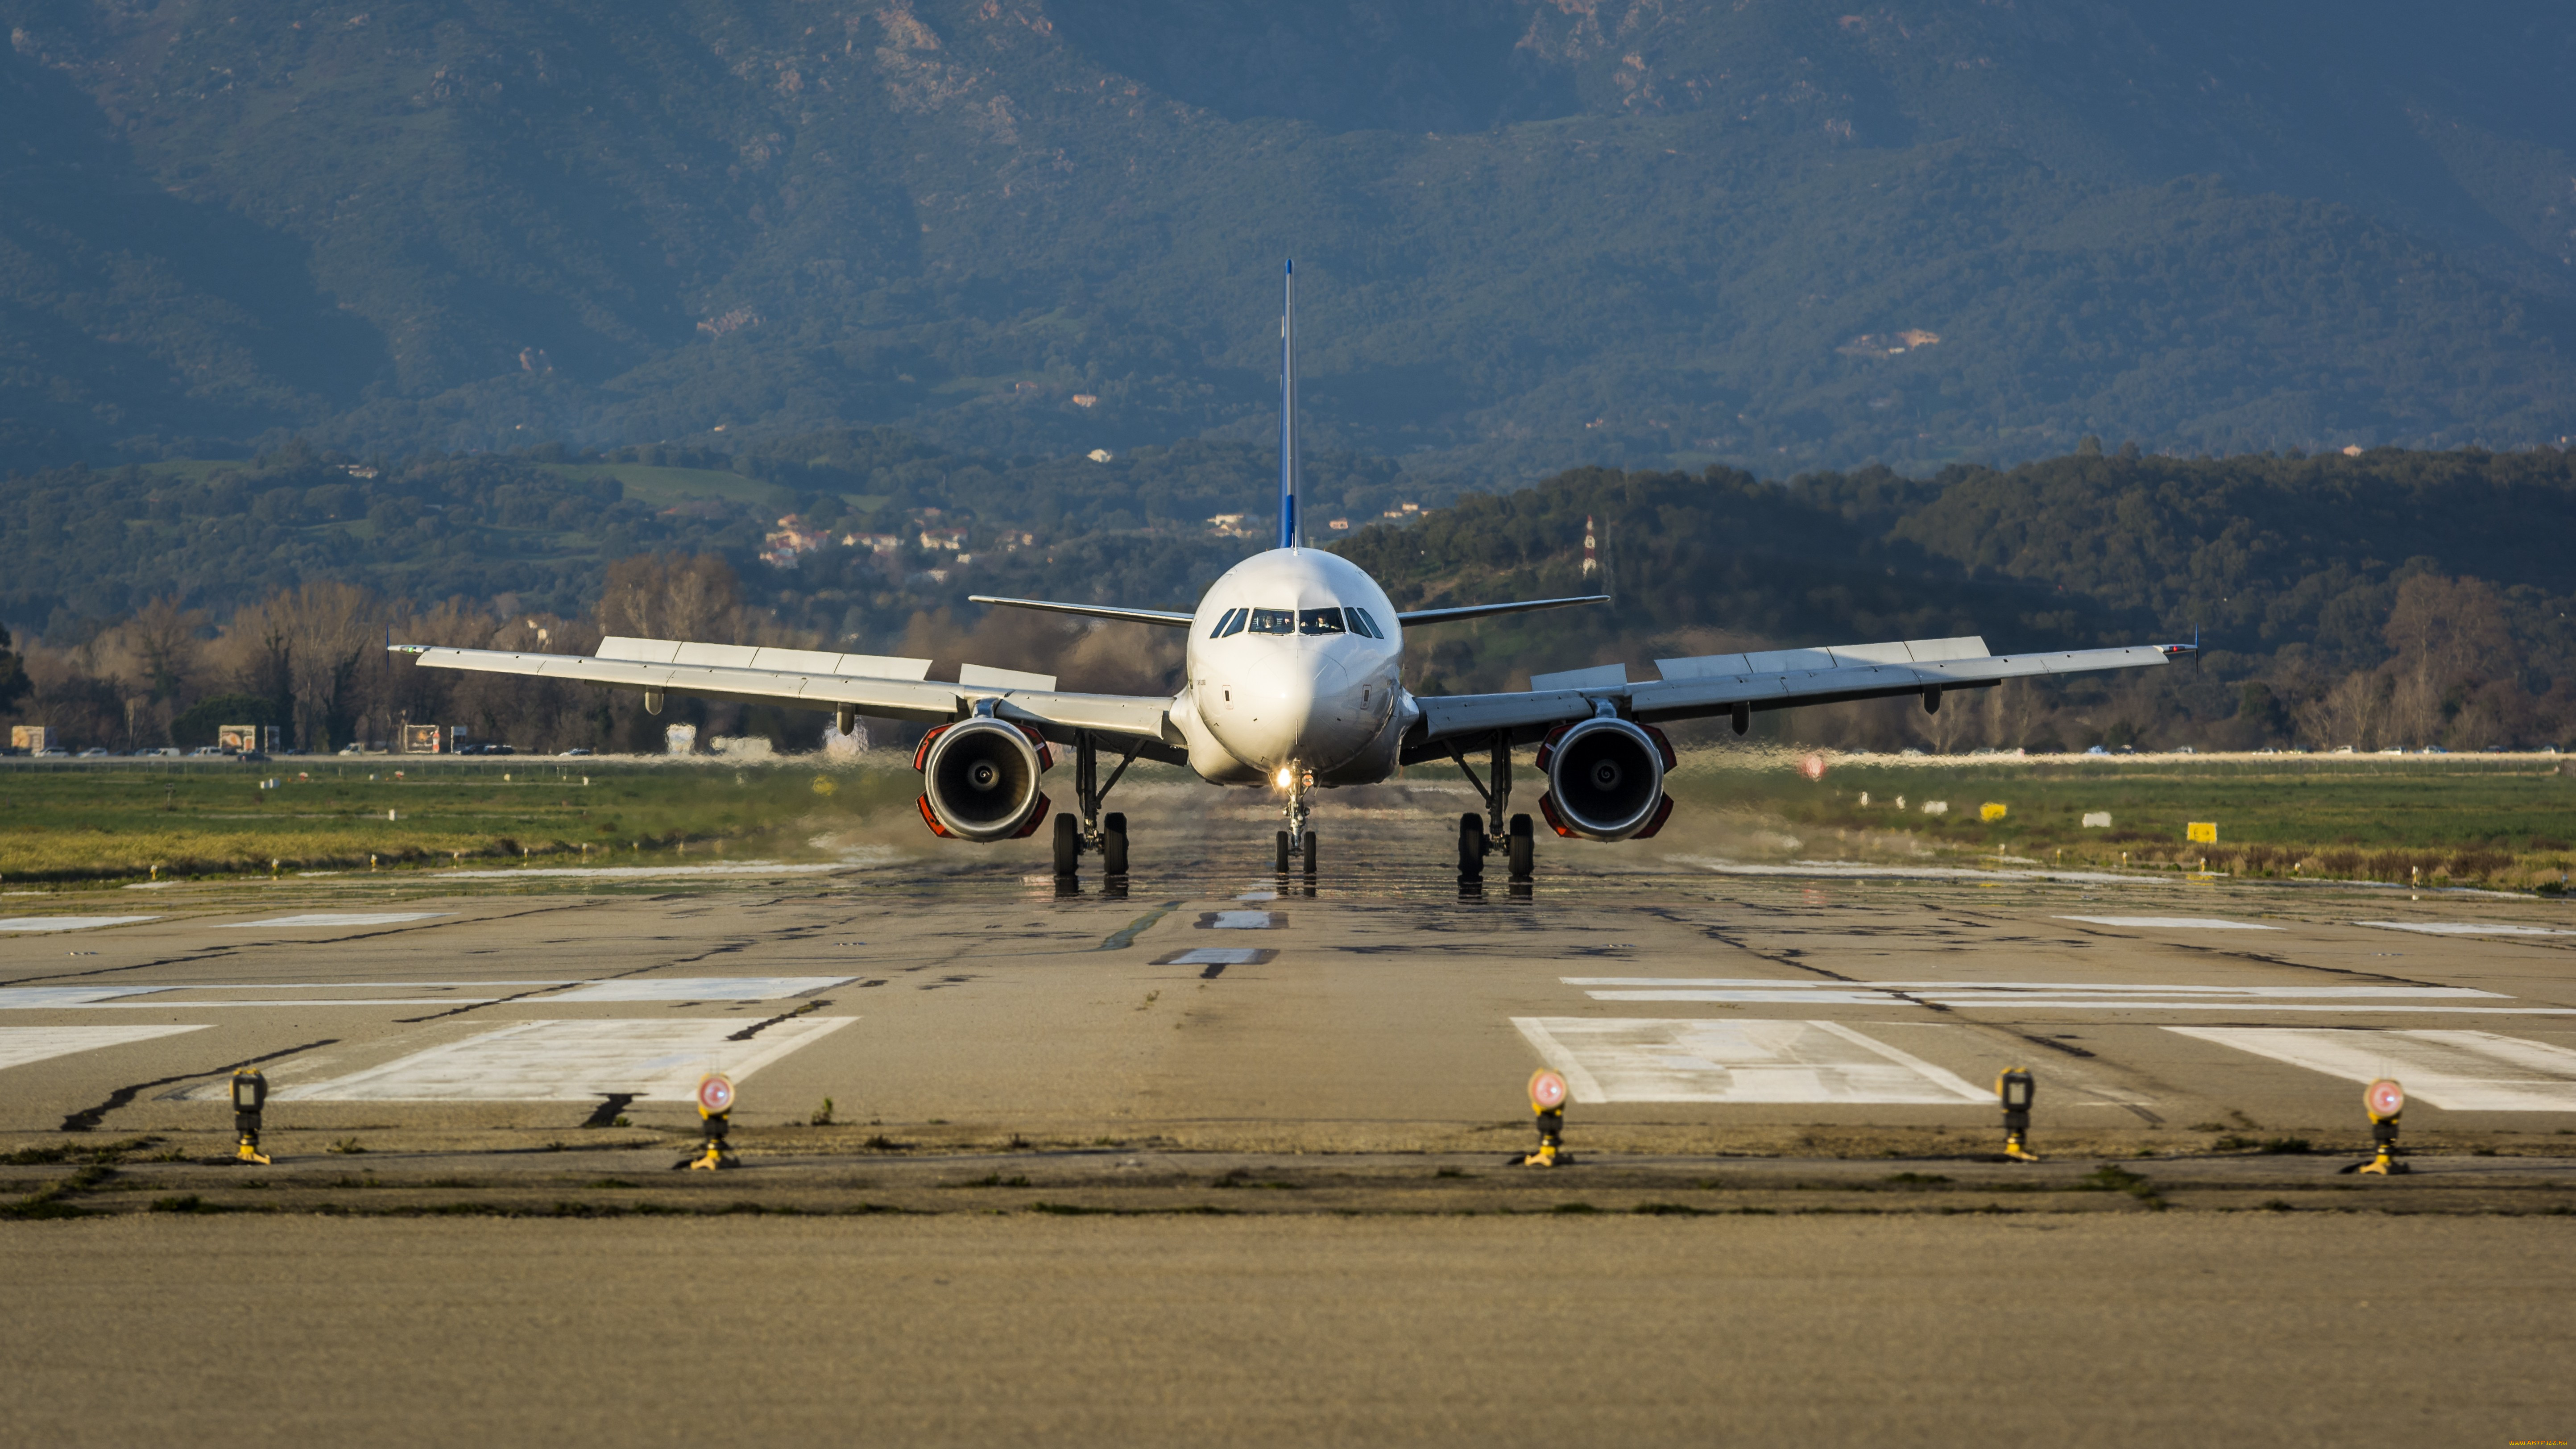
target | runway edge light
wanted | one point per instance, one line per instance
(2017, 1089)
(2384, 1100)
(715, 1108)
(1548, 1096)
(250, 1099)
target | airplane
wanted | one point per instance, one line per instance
(1294, 681)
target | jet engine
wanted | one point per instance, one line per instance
(1605, 779)
(979, 779)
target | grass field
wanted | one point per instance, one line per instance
(127, 820)
(2505, 821)
(2498, 820)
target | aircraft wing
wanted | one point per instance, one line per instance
(877, 685)
(1718, 684)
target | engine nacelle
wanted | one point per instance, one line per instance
(979, 779)
(1605, 779)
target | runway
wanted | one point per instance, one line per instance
(1221, 1155)
(954, 997)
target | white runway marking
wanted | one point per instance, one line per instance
(54, 998)
(1737, 1061)
(1241, 920)
(2054, 995)
(339, 918)
(20, 1045)
(2459, 1071)
(68, 923)
(2463, 928)
(703, 988)
(2170, 923)
(573, 1061)
(1217, 956)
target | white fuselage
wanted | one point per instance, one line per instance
(1282, 676)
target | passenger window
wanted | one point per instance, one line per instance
(1274, 621)
(1319, 621)
(1361, 623)
(1227, 623)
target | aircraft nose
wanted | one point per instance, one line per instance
(1276, 715)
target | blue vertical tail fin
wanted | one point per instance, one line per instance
(1288, 532)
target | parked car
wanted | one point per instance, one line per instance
(95, 752)
(53, 754)
(576, 752)
(206, 752)
(2097, 750)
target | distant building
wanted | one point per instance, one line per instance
(873, 542)
(951, 539)
(791, 537)
(34, 739)
(1099, 455)
(1086, 400)
(1338, 524)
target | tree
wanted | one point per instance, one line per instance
(13, 674)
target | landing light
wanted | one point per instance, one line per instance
(715, 1107)
(1286, 777)
(1547, 1096)
(2384, 1101)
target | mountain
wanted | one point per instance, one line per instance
(1535, 233)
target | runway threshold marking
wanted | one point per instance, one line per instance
(703, 988)
(68, 923)
(2464, 928)
(338, 918)
(573, 1061)
(2171, 923)
(2056, 995)
(20, 1045)
(2458, 1071)
(1635, 1060)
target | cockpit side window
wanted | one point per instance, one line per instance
(1361, 623)
(1229, 623)
(1319, 621)
(1274, 621)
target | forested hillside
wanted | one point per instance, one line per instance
(1637, 233)
(2389, 597)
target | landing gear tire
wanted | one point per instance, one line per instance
(1113, 844)
(1471, 847)
(1068, 847)
(1310, 855)
(1283, 852)
(1523, 848)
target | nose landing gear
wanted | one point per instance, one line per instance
(1296, 844)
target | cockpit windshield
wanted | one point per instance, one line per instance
(1309, 622)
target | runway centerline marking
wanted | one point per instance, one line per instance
(573, 1061)
(1243, 920)
(20, 1045)
(68, 923)
(702, 988)
(2171, 923)
(1640, 1060)
(339, 918)
(1217, 956)
(2458, 1071)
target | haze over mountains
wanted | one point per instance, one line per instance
(1626, 232)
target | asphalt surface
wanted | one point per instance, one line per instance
(989, 1122)
(2400, 1331)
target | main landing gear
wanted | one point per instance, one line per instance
(1091, 831)
(1479, 837)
